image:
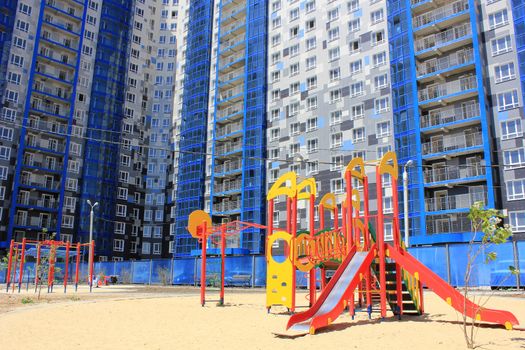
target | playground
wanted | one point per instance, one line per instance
(364, 290)
(131, 317)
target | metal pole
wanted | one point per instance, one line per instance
(90, 258)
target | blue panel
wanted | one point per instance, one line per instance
(521, 259)
(435, 258)
(184, 271)
(161, 272)
(260, 271)
(141, 271)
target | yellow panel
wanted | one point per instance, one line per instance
(385, 167)
(356, 202)
(328, 201)
(196, 218)
(302, 193)
(278, 188)
(279, 289)
(354, 163)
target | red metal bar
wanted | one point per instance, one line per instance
(15, 265)
(349, 209)
(22, 258)
(66, 272)
(313, 282)
(291, 252)
(321, 217)
(37, 264)
(381, 242)
(77, 265)
(9, 263)
(203, 263)
(336, 218)
(397, 245)
(50, 271)
(223, 257)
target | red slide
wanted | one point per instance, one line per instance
(332, 300)
(448, 293)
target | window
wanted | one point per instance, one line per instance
(275, 134)
(311, 62)
(381, 105)
(516, 190)
(353, 5)
(311, 124)
(336, 186)
(156, 248)
(335, 95)
(336, 163)
(25, 9)
(335, 74)
(498, 19)
(122, 193)
(357, 89)
(358, 134)
(310, 6)
(294, 88)
(379, 59)
(511, 129)
(5, 152)
(118, 245)
(514, 158)
(294, 32)
(311, 82)
(6, 133)
(294, 50)
(275, 114)
(333, 14)
(356, 67)
(3, 173)
(310, 25)
(501, 45)
(376, 16)
(8, 114)
(389, 236)
(121, 210)
(358, 111)
(380, 82)
(353, 46)
(382, 150)
(508, 100)
(333, 34)
(146, 247)
(276, 76)
(295, 148)
(517, 220)
(68, 221)
(276, 22)
(333, 54)
(295, 129)
(311, 43)
(505, 72)
(383, 129)
(293, 109)
(312, 145)
(354, 25)
(311, 103)
(2, 192)
(312, 167)
(335, 117)
(336, 140)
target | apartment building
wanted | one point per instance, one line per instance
(86, 115)
(458, 110)
(329, 94)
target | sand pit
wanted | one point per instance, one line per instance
(116, 318)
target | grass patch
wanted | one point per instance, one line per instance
(27, 300)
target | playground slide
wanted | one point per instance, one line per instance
(449, 293)
(332, 300)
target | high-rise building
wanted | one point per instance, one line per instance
(458, 112)
(87, 115)
(222, 112)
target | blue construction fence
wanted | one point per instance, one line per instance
(448, 261)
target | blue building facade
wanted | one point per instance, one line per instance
(193, 129)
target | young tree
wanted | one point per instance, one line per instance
(488, 231)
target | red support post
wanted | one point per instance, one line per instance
(367, 212)
(66, 272)
(349, 209)
(293, 226)
(203, 262)
(50, 272)
(22, 258)
(9, 263)
(77, 265)
(380, 242)
(313, 282)
(15, 265)
(37, 264)
(397, 245)
(223, 257)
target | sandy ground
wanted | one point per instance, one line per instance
(171, 318)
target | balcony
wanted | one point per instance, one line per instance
(53, 167)
(459, 201)
(235, 29)
(54, 110)
(450, 117)
(61, 8)
(227, 207)
(233, 95)
(69, 28)
(228, 187)
(454, 174)
(35, 223)
(232, 62)
(449, 143)
(60, 41)
(228, 46)
(49, 127)
(235, 14)
(231, 79)
(448, 92)
(229, 148)
(45, 145)
(441, 16)
(452, 38)
(56, 93)
(444, 225)
(228, 129)
(48, 186)
(231, 113)
(50, 204)
(450, 64)
(229, 168)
